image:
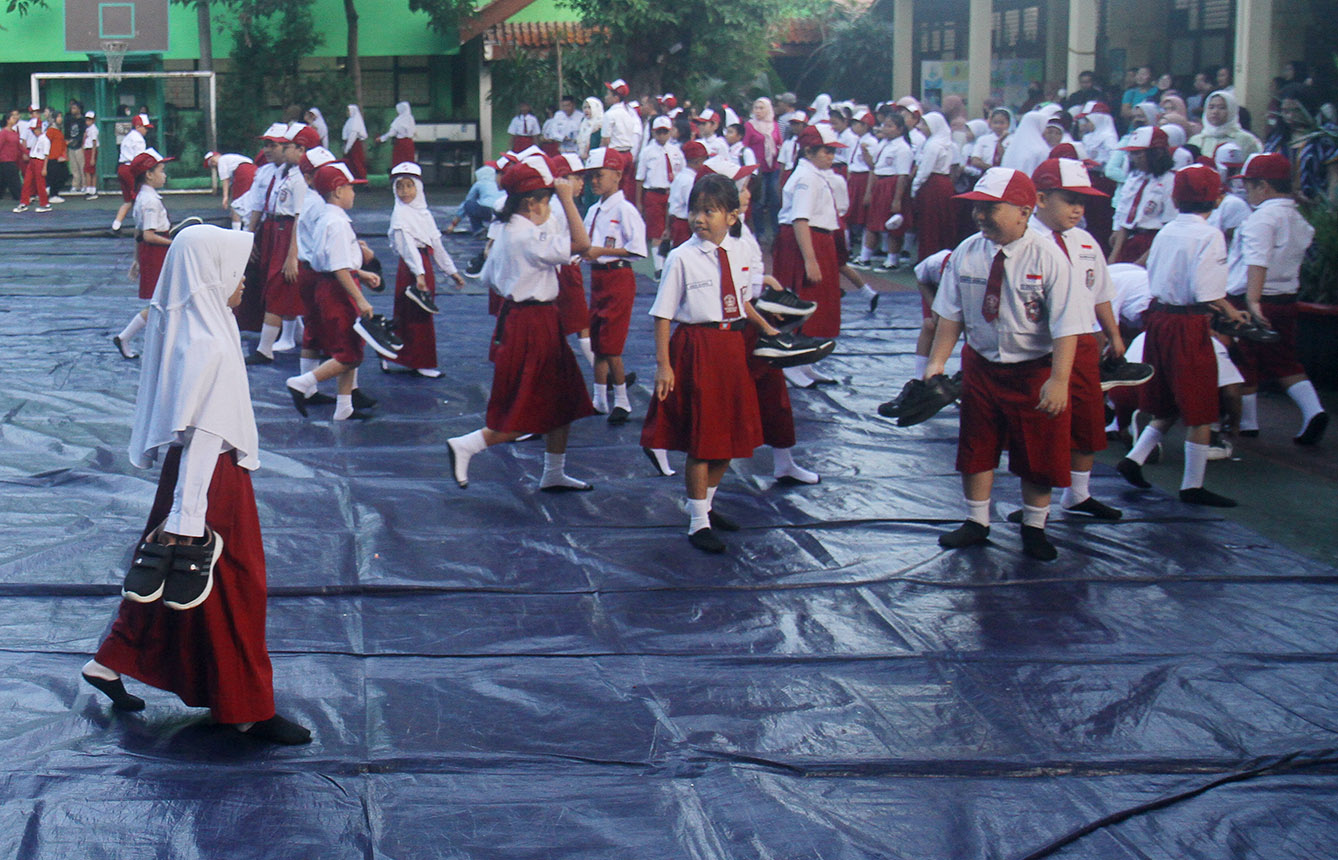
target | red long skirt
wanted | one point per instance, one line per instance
(773, 395)
(356, 159)
(402, 151)
(573, 311)
(856, 182)
(251, 312)
(788, 268)
(212, 656)
(150, 267)
(935, 222)
(416, 326)
(712, 412)
(536, 384)
(880, 207)
(281, 295)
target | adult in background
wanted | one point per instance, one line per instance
(1309, 143)
(1086, 92)
(1221, 124)
(74, 143)
(1143, 90)
(762, 134)
(785, 104)
(11, 157)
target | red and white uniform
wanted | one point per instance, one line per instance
(1186, 267)
(657, 167)
(1144, 207)
(149, 214)
(524, 128)
(91, 143)
(773, 394)
(892, 160)
(336, 249)
(131, 145)
(680, 191)
(239, 171)
(1006, 359)
(285, 202)
(34, 183)
(809, 196)
(715, 145)
(858, 173)
(613, 223)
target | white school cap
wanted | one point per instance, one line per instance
(661, 122)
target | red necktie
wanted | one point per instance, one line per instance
(669, 166)
(989, 308)
(1138, 198)
(998, 152)
(1059, 237)
(729, 299)
(275, 178)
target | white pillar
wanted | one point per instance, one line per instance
(903, 47)
(980, 26)
(1082, 40)
(1256, 54)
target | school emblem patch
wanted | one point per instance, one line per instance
(991, 305)
(731, 304)
(1091, 278)
(1033, 307)
(1152, 208)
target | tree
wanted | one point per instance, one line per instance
(23, 7)
(444, 16)
(352, 62)
(855, 57)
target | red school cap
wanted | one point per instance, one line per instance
(1147, 137)
(1197, 183)
(332, 176)
(1066, 174)
(1267, 165)
(694, 149)
(619, 86)
(146, 161)
(607, 157)
(307, 137)
(314, 159)
(528, 174)
(819, 135)
(1003, 185)
(565, 164)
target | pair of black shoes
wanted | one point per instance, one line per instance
(789, 349)
(971, 533)
(181, 575)
(1132, 472)
(922, 399)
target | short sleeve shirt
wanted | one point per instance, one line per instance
(149, 211)
(1276, 236)
(1188, 263)
(524, 260)
(808, 197)
(338, 245)
(615, 223)
(690, 286)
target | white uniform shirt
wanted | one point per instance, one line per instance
(149, 212)
(524, 124)
(918, 139)
(690, 286)
(715, 145)
(1276, 237)
(29, 131)
(933, 158)
(680, 191)
(1036, 304)
(563, 128)
(808, 196)
(411, 253)
(228, 164)
(656, 163)
(741, 155)
(338, 245)
(851, 140)
(289, 191)
(614, 223)
(309, 227)
(1091, 275)
(987, 144)
(91, 136)
(132, 145)
(524, 260)
(40, 147)
(621, 128)
(1228, 217)
(788, 154)
(893, 158)
(1155, 209)
(857, 162)
(756, 263)
(1187, 263)
(929, 271)
(260, 183)
(1132, 296)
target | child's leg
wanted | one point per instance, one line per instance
(976, 488)
(463, 448)
(555, 479)
(1035, 508)
(618, 378)
(132, 328)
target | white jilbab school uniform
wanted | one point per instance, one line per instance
(354, 128)
(321, 126)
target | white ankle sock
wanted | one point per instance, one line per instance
(116, 225)
(661, 456)
(1249, 412)
(555, 474)
(978, 512)
(867, 291)
(865, 254)
(94, 669)
(620, 397)
(268, 334)
(1304, 396)
(1078, 490)
(600, 396)
(921, 362)
(587, 350)
(465, 447)
(305, 383)
(1034, 517)
(287, 334)
(710, 497)
(343, 406)
(1196, 463)
(132, 328)
(236, 225)
(1147, 441)
(785, 466)
(699, 513)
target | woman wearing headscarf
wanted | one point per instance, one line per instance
(1221, 124)
(589, 136)
(401, 128)
(316, 120)
(821, 110)
(1101, 141)
(1309, 141)
(932, 190)
(1029, 148)
(1172, 105)
(762, 134)
(193, 618)
(1099, 136)
(354, 133)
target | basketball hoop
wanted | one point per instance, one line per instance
(114, 52)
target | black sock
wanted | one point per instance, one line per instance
(115, 690)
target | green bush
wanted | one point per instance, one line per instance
(1319, 272)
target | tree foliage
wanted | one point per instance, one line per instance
(855, 58)
(444, 16)
(23, 7)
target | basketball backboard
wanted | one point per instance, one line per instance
(141, 24)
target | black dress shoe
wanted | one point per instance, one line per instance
(125, 351)
(115, 690)
(319, 399)
(299, 401)
(1094, 508)
(618, 415)
(363, 401)
(706, 540)
(278, 730)
(967, 534)
(1314, 430)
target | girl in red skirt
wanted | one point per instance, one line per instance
(1145, 200)
(151, 240)
(705, 403)
(573, 309)
(932, 190)
(888, 195)
(415, 237)
(401, 129)
(804, 256)
(859, 171)
(537, 387)
(355, 132)
(193, 618)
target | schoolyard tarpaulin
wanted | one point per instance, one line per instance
(496, 673)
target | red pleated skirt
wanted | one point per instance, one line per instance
(856, 182)
(536, 384)
(935, 221)
(281, 295)
(1136, 245)
(402, 151)
(1100, 211)
(654, 209)
(880, 206)
(788, 268)
(573, 310)
(356, 159)
(212, 656)
(150, 267)
(712, 412)
(415, 326)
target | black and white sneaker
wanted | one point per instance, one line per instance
(379, 334)
(784, 303)
(191, 577)
(1116, 372)
(183, 224)
(475, 265)
(1254, 330)
(792, 350)
(148, 571)
(422, 298)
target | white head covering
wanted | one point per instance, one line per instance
(589, 125)
(320, 125)
(937, 124)
(979, 128)
(1228, 129)
(403, 124)
(1103, 139)
(354, 128)
(193, 373)
(1151, 110)
(821, 108)
(413, 219)
(1028, 147)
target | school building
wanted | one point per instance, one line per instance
(979, 48)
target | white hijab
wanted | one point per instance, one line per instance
(589, 125)
(1028, 147)
(403, 124)
(979, 128)
(822, 107)
(1103, 139)
(320, 125)
(414, 219)
(1229, 129)
(354, 128)
(193, 373)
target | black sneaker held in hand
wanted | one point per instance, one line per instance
(792, 350)
(379, 334)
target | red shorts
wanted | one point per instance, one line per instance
(1136, 245)
(335, 315)
(150, 267)
(654, 209)
(306, 290)
(612, 292)
(127, 180)
(1179, 347)
(536, 384)
(712, 412)
(91, 165)
(573, 311)
(628, 183)
(788, 268)
(1259, 361)
(998, 409)
(856, 182)
(1087, 402)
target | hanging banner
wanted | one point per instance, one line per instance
(939, 78)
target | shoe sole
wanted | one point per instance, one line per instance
(650, 455)
(1108, 384)
(135, 597)
(1314, 430)
(426, 308)
(381, 350)
(787, 358)
(784, 310)
(209, 582)
(299, 400)
(120, 347)
(563, 488)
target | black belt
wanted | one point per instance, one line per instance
(819, 230)
(620, 264)
(281, 217)
(1196, 308)
(1282, 299)
(529, 303)
(732, 325)
(1138, 231)
(656, 190)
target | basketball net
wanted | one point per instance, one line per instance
(114, 52)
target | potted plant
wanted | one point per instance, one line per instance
(1317, 318)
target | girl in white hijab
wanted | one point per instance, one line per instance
(591, 123)
(414, 236)
(401, 128)
(822, 106)
(354, 133)
(1221, 124)
(932, 188)
(194, 406)
(1028, 148)
(316, 120)
(1101, 139)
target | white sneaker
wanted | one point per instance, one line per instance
(22, 207)
(56, 198)
(42, 209)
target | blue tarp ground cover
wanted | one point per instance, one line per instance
(495, 673)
